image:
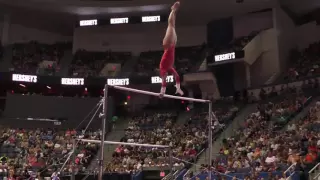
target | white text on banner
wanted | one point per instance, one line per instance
(118, 82)
(72, 81)
(24, 78)
(158, 80)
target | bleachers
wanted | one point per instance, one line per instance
(45, 149)
(187, 140)
(261, 148)
(26, 57)
(87, 63)
(304, 63)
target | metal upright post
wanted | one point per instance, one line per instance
(104, 123)
(171, 161)
(210, 139)
(73, 177)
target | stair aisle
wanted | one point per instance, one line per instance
(229, 131)
(183, 117)
(128, 67)
(65, 63)
(304, 112)
(114, 135)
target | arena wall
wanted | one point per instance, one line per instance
(306, 34)
(22, 34)
(245, 24)
(291, 36)
(286, 40)
(133, 37)
(265, 59)
(72, 109)
(1, 29)
(239, 80)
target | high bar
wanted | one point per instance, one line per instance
(123, 143)
(157, 94)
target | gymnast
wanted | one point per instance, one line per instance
(167, 60)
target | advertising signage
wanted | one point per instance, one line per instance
(150, 18)
(158, 80)
(72, 81)
(119, 20)
(88, 81)
(24, 78)
(225, 57)
(122, 20)
(229, 56)
(92, 22)
(118, 82)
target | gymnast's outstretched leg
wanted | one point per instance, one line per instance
(170, 39)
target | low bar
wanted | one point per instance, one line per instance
(123, 143)
(157, 94)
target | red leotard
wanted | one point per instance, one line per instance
(166, 65)
(167, 60)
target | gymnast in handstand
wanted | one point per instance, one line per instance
(167, 60)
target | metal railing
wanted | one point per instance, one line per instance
(194, 176)
(175, 174)
(187, 173)
(289, 170)
(312, 170)
(170, 176)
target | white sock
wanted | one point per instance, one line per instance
(163, 90)
(178, 86)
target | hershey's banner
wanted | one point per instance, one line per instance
(71, 110)
(225, 58)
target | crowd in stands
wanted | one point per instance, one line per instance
(88, 63)
(305, 63)
(26, 57)
(186, 59)
(35, 57)
(187, 140)
(262, 144)
(41, 152)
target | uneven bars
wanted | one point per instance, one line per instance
(157, 94)
(123, 143)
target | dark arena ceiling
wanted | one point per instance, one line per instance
(60, 15)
